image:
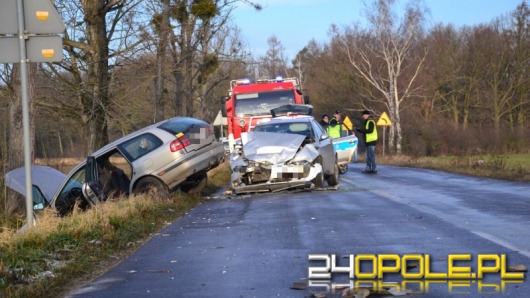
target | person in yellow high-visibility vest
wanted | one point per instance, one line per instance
(369, 130)
(335, 126)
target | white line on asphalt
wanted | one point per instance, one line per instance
(501, 242)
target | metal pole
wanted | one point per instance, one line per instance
(25, 111)
(384, 133)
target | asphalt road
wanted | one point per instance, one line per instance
(258, 245)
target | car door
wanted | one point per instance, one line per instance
(325, 146)
(345, 148)
(70, 192)
(91, 188)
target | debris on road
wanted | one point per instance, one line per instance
(517, 268)
(299, 285)
(160, 271)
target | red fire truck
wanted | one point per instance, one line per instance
(249, 103)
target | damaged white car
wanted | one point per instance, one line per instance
(286, 152)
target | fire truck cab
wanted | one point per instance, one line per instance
(248, 103)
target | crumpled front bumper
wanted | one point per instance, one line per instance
(272, 187)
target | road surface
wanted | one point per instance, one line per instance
(258, 245)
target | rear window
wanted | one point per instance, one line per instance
(184, 125)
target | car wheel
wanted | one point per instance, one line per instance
(334, 178)
(152, 187)
(196, 187)
(318, 181)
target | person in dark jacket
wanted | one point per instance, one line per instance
(369, 130)
(324, 122)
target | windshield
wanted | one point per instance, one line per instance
(261, 103)
(299, 128)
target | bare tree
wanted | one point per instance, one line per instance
(519, 41)
(162, 26)
(98, 34)
(194, 55)
(382, 55)
(274, 62)
(499, 77)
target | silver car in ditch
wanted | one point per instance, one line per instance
(175, 153)
(286, 152)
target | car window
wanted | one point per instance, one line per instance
(39, 200)
(273, 127)
(178, 125)
(71, 194)
(261, 103)
(319, 131)
(76, 180)
(114, 173)
(140, 146)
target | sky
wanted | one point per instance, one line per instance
(296, 22)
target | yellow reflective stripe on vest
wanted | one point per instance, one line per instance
(334, 131)
(370, 137)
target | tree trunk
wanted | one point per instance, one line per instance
(96, 109)
(161, 60)
(16, 136)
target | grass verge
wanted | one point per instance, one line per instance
(60, 254)
(512, 167)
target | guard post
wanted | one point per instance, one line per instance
(384, 121)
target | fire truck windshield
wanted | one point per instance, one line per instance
(261, 103)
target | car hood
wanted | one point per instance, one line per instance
(274, 148)
(47, 179)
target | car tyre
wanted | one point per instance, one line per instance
(196, 187)
(318, 181)
(334, 178)
(152, 187)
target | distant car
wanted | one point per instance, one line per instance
(226, 144)
(175, 153)
(286, 152)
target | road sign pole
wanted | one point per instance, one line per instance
(25, 111)
(384, 133)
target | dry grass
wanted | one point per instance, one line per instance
(67, 248)
(62, 164)
(513, 167)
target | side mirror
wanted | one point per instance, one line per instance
(93, 192)
(324, 136)
(92, 189)
(223, 110)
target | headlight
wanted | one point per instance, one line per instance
(242, 122)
